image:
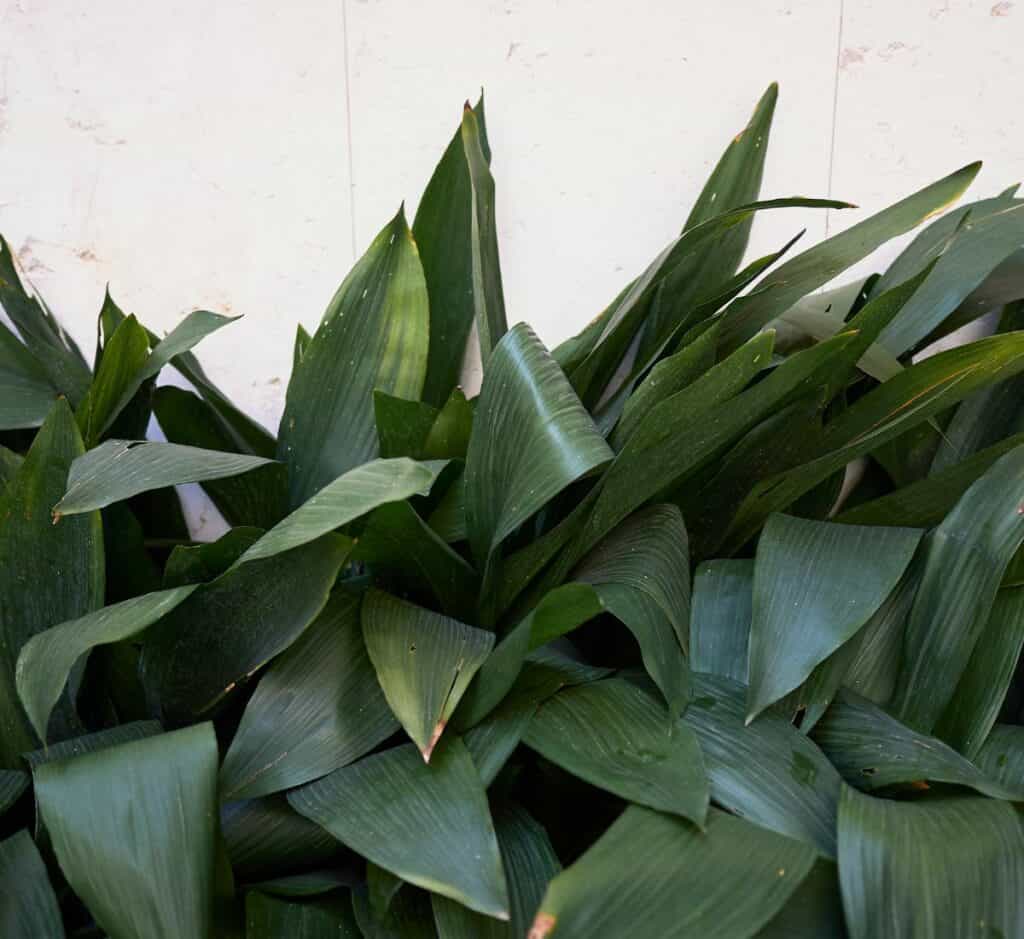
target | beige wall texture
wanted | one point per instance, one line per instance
(237, 155)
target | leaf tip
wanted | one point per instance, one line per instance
(543, 925)
(428, 750)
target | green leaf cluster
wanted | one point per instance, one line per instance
(705, 624)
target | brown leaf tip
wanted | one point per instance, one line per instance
(434, 737)
(542, 926)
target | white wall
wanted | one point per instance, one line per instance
(236, 155)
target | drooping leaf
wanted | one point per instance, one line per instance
(1001, 757)
(373, 336)
(938, 867)
(227, 629)
(641, 573)
(615, 735)
(330, 917)
(799, 621)
(119, 469)
(151, 805)
(964, 563)
(47, 659)
(720, 618)
(981, 690)
(487, 294)
(424, 663)
(318, 707)
(443, 229)
(529, 861)
(768, 773)
(872, 750)
(26, 394)
(819, 264)
(724, 883)
(427, 823)
(257, 497)
(48, 574)
(268, 838)
(531, 438)
(344, 500)
(28, 906)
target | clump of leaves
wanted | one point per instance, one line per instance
(704, 624)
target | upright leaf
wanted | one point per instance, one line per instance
(329, 917)
(488, 297)
(725, 883)
(818, 265)
(48, 574)
(424, 662)
(964, 563)
(373, 336)
(443, 229)
(151, 805)
(318, 707)
(815, 585)
(26, 394)
(428, 824)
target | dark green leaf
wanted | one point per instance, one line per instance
(47, 659)
(196, 564)
(373, 337)
(932, 869)
(799, 620)
(228, 629)
(318, 707)
(151, 805)
(531, 439)
(720, 618)
(344, 500)
(768, 773)
(429, 824)
(725, 883)
(424, 663)
(443, 229)
(269, 917)
(408, 917)
(964, 563)
(1001, 757)
(12, 785)
(28, 906)
(818, 265)
(256, 498)
(814, 911)
(26, 394)
(48, 574)
(615, 735)
(119, 469)
(530, 863)
(54, 349)
(487, 294)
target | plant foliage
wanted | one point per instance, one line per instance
(705, 623)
